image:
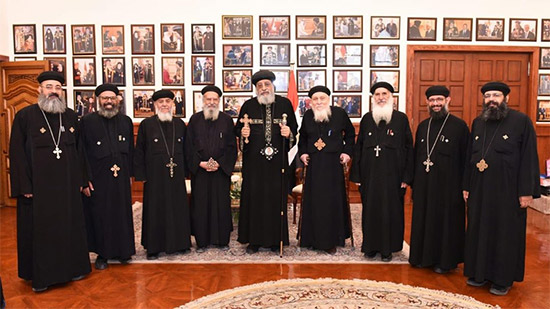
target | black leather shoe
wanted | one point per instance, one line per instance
(473, 282)
(440, 270)
(331, 250)
(125, 261)
(370, 254)
(152, 256)
(251, 249)
(38, 290)
(100, 263)
(387, 258)
(499, 289)
(78, 278)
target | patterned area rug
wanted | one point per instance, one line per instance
(291, 254)
(333, 293)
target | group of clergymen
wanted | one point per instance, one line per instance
(72, 180)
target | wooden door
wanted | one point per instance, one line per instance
(19, 88)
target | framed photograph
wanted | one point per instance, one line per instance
(202, 70)
(421, 29)
(277, 54)
(237, 55)
(143, 103)
(203, 39)
(390, 76)
(312, 55)
(275, 27)
(114, 70)
(350, 103)
(308, 79)
(545, 33)
(24, 39)
(544, 84)
(113, 39)
(237, 80)
(395, 102)
(197, 101)
(543, 111)
(54, 39)
(143, 71)
(384, 56)
(385, 27)
(490, 29)
(347, 80)
(58, 64)
(304, 103)
(348, 27)
(237, 26)
(457, 29)
(282, 78)
(179, 101)
(24, 58)
(523, 29)
(172, 71)
(172, 38)
(232, 104)
(122, 97)
(84, 71)
(83, 39)
(545, 57)
(347, 55)
(84, 102)
(311, 27)
(143, 39)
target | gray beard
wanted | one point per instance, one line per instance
(498, 113)
(52, 104)
(380, 113)
(322, 115)
(211, 114)
(164, 117)
(266, 99)
(107, 113)
(439, 115)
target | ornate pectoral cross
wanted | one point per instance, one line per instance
(377, 150)
(482, 165)
(428, 163)
(319, 144)
(115, 170)
(57, 151)
(246, 122)
(171, 166)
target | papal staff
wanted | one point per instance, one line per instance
(284, 189)
(346, 181)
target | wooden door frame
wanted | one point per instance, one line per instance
(534, 59)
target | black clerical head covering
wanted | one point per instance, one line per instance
(381, 85)
(106, 87)
(164, 93)
(211, 88)
(315, 89)
(499, 86)
(51, 75)
(262, 74)
(437, 90)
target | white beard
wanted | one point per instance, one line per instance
(211, 114)
(384, 112)
(52, 105)
(164, 117)
(322, 115)
(266, 99)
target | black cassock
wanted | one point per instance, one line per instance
(495, 237)
(381, 174)
(262, 187)
(325, 222)
(210, 201)
(51, 233)
(438, 227)
(108, 211)
(166, 221)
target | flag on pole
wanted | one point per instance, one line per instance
(292, 95)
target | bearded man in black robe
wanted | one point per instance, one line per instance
(383, 167)
(159, 162)
(212, 152)
(266, 127)
(326, 143)
(438, 218)
(500, 181)
(108, 140)
(47, 174)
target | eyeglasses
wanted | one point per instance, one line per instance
(52, 87)
(494, 95)
(433, 100)
(102, 98)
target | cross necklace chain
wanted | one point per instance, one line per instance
(56, 151)
(482, 164)
(170, 164)
(429, 151)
